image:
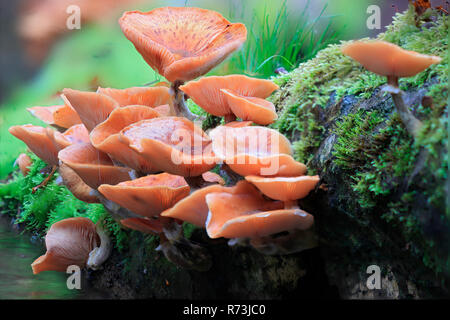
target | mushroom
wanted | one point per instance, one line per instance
(238, 124)
(24, 162)
(92, 108)
(172, 144)
(76, 185)
(212, 177)
(287, 189)
(390, 60)
(247, 214)
(105, 136)
(68, 242)
(38, 140)
(255, 150)
(182, 43)
(144, 225)
(147, 196)
(209, 95)
(75, 134)
(61, 117)
(144, 96)
(94, 167)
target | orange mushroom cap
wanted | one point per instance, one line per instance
(182, 43)
(24, 162)
(387, 59)
(145, 225)
(93, 108)
(285, 188)
(76, 185)
(238, 124)
(258, 110)
(193, 209)
(105, 136)
(93, 166)
(249, 215)
(172, 144)
(38, 140)
(209, 176)
(255, 150)
(68, 242)
(62, 116)
(145, 96)
(147, 196)
(207, 93)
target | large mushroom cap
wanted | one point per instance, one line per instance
(105, 136)
(93, 166)
(62, 116)
(68, 242)
(144, 96)
(38, 140)
(258, 110)
(249, 215)
(255, 150)
(193, 209)
(93, 108)
(172, 144)
(182, 43)
(285, 188)
(147, 196)
(388, 59)
(206, 92)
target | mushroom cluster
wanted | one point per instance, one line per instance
(139, 153)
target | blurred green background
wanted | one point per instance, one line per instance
(281, 34)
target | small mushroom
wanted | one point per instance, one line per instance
(61, 117)
(93, 166)
(24, 162)
(212, 177)
(105, 136)
(209, 95)
(390, 60)
(68, 242)
(92, 108)
(147, 196)
(258, 110)
(255, 150)
(172, 144)
(249, 215)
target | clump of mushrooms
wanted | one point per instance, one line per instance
(138, 152)
(393, 62)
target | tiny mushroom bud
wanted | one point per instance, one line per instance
(24, 162)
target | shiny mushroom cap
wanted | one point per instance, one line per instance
(68, 242)
(387, 59)
(207, 93)
(93, 166)
(182, 43)
(38, 140)
(255, 150)
(285, 188)
(147, 196)
(60, 117)
(93, 108)
(258, 110)
(172, 144)
(144, 96)
(248, 215)
(105, 136)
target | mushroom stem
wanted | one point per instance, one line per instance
(100, 254)
(411, 123)
(46, 180)
(229, 118)
(180, 106)
(291, 204)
